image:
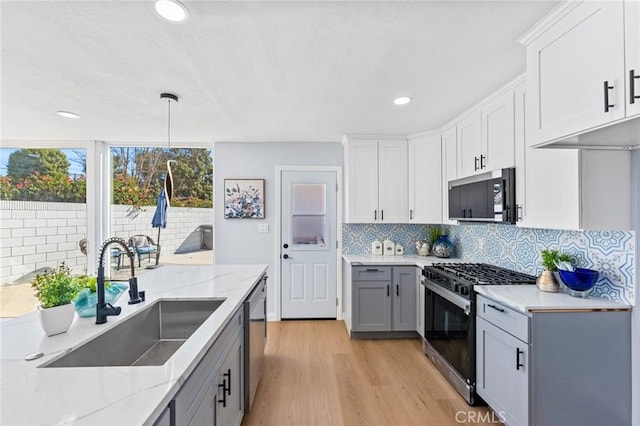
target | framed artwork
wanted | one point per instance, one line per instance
(244, 198)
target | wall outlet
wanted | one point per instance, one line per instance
(263, 227)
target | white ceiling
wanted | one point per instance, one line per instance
(252, 71)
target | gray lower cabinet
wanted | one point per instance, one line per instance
(383, 298)
(554, 367)
(213, 393)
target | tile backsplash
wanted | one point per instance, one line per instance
(612, 253)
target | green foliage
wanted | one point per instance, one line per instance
(550, 257)
(86, 281)
(25, 162)
(435, 232)
(42, 175)
(55, 287)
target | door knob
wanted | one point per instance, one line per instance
(286, 256)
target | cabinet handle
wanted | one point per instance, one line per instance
(387, 290)
(607, 105)
(375, 215)
(228, 377)
(410, 214)
(475, 164)
(496, 308)
(372, 270)
(632, 87)
(518, 353)
(519, 208)
(397, 290)
(483, 162)
(381, 214)
(470, 213)
(223, 400)
(464, 213)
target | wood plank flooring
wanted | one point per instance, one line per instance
(316, 375)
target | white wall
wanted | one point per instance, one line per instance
(238, 240)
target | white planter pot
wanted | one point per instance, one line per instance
(56, 320)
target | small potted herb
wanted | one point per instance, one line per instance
(55, 290)
(547, 281)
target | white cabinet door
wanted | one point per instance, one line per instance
(520, 150)
(362, 185)
(425, 180)
(498, 133)
(393, 203)
(469, 137)
(632, 56)
(450, 154)
(450, 168)
(502, 372)
(567, 67)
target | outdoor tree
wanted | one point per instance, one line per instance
(193, 174)
(23, 163)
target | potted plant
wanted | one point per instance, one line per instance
(55, 289)
(547, 281)
(440, 244)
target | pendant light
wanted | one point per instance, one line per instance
(168, 180)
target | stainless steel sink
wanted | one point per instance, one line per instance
(149, 337)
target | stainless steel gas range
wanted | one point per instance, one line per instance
(450, 324)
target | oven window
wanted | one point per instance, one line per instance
(447, 329)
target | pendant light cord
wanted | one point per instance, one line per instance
(169, 124)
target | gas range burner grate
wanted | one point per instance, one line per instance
(485, 274)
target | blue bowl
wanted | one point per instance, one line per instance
(580, 279)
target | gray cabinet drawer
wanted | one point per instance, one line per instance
(509, 320)
(371, 273)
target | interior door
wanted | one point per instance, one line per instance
(308, 251)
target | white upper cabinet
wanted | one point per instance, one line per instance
(470, 152)
(377, 179)
(569, 188)
(449, 168)
(498, 133)
(577, 73)
(425, 179)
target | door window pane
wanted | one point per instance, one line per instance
(309, 213)
(309, 199)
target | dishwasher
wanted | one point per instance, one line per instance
(255, 339)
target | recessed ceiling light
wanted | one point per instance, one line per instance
(172, 10)
(67, 114)
(402, 100)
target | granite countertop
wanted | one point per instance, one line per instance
(419, 261)
(527, 298)
(113, 395)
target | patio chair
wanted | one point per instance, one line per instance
(141, 245)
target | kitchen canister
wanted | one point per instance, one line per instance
(376, 248)
(442, 247)
(388, 247)
(399, 250)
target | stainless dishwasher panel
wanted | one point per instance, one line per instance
(255, 338)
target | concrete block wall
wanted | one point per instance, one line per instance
(34, 235)
(182, 223)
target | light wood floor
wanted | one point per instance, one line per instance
(316, 375)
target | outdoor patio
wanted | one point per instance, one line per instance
(18, 299)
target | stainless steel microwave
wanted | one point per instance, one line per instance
(491, 198)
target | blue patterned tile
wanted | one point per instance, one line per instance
(610, 253)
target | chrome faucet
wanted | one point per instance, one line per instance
(103, 309)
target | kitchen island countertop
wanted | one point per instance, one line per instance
(113, 395)
(527, 298)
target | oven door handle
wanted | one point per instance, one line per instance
(459, 301)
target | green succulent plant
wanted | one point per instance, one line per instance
(550, 257)
(436, 231)
(56, 287)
